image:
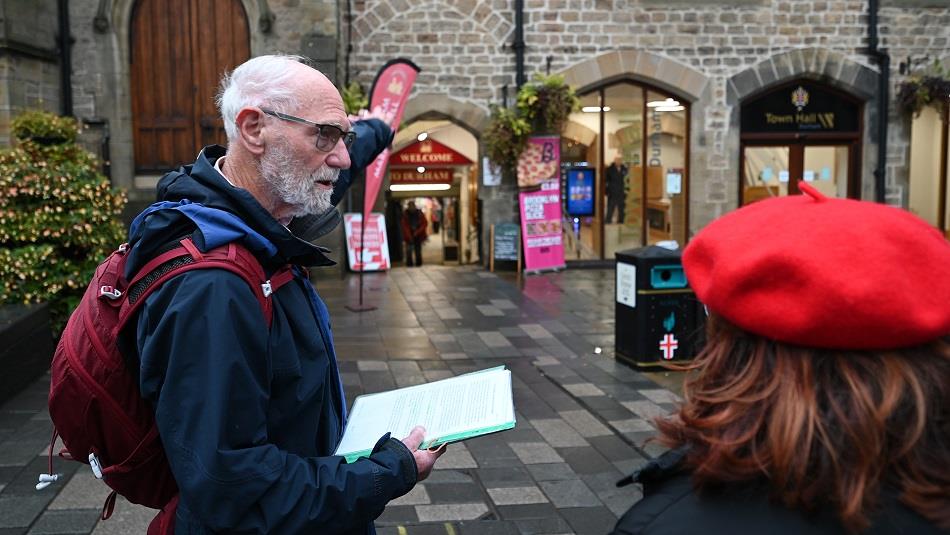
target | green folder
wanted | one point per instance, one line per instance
(451, 410)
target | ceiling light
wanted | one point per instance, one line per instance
(663, 103)
(419, 187)
(594, 109)
(421, 169)
(670, 108)
(422, 136)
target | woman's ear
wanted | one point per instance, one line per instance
(250, 126)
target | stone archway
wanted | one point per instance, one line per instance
(825, 66)
(638, 65)
(469, 116)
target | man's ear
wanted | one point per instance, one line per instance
(250, 125)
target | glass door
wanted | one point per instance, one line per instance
(774, 170)
(826, 168)
(766, 172)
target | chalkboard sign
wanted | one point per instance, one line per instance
(507, 237)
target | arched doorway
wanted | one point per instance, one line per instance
(625, 163)
(434, 165)
(800, 130)
(179, 51)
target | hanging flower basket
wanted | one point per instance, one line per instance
(543, 105)
(930, 88)
(546, 102)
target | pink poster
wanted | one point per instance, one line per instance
(376, 249)
(541, 227)
(540, 161)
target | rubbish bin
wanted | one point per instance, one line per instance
(657, 314)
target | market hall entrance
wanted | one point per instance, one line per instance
(433, 167)
(800, 131)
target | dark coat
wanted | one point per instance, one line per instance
(670, 506)
(249, 417)
(616, 183)
(414, 233)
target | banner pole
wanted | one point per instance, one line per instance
(362, 265)
(361, 307)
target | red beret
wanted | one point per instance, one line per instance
(829, 273)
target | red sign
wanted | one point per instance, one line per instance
(390, 91)
(413, 176)
(428, 153)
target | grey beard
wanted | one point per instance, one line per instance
(281, 172)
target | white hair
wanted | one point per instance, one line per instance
(262, 81)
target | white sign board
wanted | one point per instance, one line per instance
(627, 284)
(375, 255)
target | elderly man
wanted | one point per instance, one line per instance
(250, 414)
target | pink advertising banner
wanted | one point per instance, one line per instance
(390, 91)
(541, 227)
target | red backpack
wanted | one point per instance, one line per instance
(94, 401)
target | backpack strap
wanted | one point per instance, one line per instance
(232, 257)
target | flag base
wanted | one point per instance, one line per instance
(360, 308)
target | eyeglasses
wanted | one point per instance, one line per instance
(327, 134)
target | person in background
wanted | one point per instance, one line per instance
(414, 226)
(821, 400)
(616, 190)
(250, 414)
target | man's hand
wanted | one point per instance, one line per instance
(387, 117)
(425, 459)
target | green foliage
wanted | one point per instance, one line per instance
(931, 87)
(546, 102)
(57, 215)
(543, 106)
(45, 127)
(505, 138)
(354, 98)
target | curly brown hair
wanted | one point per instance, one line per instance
(823, 428)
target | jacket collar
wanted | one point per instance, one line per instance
(660, 468)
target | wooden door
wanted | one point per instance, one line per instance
(180, 50)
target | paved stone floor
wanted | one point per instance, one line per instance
(583, 419)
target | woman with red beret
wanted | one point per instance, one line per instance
(821, 401)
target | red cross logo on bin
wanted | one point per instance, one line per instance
(668, 346)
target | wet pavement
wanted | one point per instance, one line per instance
(583, 420)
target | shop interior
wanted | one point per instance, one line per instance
(640, 169)
(449, 208)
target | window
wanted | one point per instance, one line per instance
(635, 139)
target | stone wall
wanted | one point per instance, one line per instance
(464, 50)
(101, 78)
(29, 70)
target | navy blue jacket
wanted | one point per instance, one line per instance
(249, 418)
(671, 506)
